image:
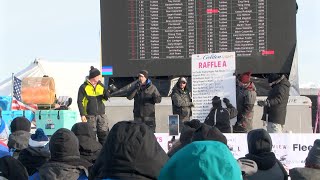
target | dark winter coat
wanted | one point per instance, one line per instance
(89, 147)
(145, 97)
(130, 152)
(12, 169)
(65, 162)
(18, 140)
(64, 170)
(220, 117)
(246, 97)
(260, 146)
(181, 103)
(304, 174)
(33, 158)
(277, 99)
(90, 99)
(185, 139)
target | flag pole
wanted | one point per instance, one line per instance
(12, 80)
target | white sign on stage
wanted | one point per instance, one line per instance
(212, 75)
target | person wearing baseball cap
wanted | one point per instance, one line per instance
(181, 101)
(145, 96)
(91, 95)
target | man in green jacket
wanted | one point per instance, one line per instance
(91, 95)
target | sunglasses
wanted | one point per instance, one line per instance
(182, 82)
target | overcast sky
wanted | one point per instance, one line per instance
(68, 30)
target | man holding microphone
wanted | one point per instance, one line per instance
(91, 95)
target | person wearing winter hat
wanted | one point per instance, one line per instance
(10, 168)
(65, 161)
(186, 135)
(37, 153)
(91, 95)
(88, 146)
(260, 151)
(181, 101)
(219, 116)
(275, 106)
(246, 97)
(20, 135)
(145, 96)
(4, 131)
(130, 152)
(209, 133)
(311, 171)
(210, 160)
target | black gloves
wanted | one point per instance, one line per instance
(138, 84)
(226, 100)
(263, 103)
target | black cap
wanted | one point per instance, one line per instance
(20, 124)
(216, 101)
(144, 73)
(206, 132)
(94, 72)
(273, 77)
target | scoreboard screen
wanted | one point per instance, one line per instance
(161, 35)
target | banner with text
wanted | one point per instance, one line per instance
(212, 75)
(290, 149)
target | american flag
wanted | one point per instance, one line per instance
(16, 99)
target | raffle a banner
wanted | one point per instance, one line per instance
(290, 149)
(212, 75)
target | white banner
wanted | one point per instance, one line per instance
(290, 149)
(212, 75)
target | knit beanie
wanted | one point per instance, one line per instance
(245, 77)
(144, 73)
(20, 124)
(206, 132)
(39, 139)
(216, 101)
(94, 72)
(314, 154)
(64, 145)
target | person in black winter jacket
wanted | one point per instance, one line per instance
(311, 171)
(181, 101)
(88, 146)
(219, 116)
(145, 96)
(260, 147)
(130, 152)
(91, 97)
(20, 135)
(37, 153)
(275, 106)
(186, 135)
(10, 168)
(65, 158)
